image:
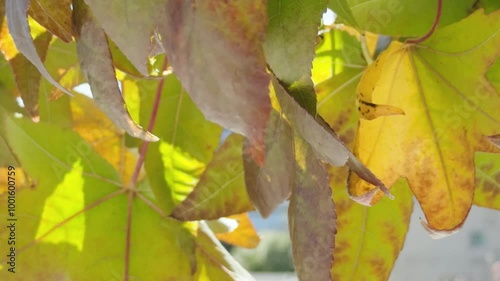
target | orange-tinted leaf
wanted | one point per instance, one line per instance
(270, 185)
(221, 190)
(244, 235)
(311, 215)
(17, 21)
(230, 47)
(97, 65)
(54, 15)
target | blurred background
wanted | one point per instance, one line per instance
(472, 254)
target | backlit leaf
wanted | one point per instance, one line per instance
(244, 235)
(487, 193)
(54, 15)
(221, 190)
(406, 17)
(449, 111)
(368, 239)
(188, 141)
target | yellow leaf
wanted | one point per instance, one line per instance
(244, 235)
(449, 109)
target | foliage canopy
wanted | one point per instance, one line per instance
(135, 182)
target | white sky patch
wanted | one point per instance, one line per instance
(84, 89)
(20, 102)
(329, 17)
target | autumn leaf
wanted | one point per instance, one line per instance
(80, 201)
(131, 25)
(311, 216)
(270, 185)
(448, 110)
(368, 239)
(97, 66)
(54, 15)
(232, 48)
(187, 140)
(244, 235)
(487, 181)
(220, 192)
(322, 138)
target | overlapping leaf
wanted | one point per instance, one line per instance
(270, 185)
(97, 65)
(54, 15)
(206, 40)
(16, 12)
(289, 46)
(79, 202)
(368, 239)
(244, 235)
(449, 110)
(187, 140)
(221, 189)
(127, 22)
(311, 216)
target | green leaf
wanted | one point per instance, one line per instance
(187, 141)
(490, 5)
(342, 10)
(311, 216)
(289, 46)
(220, 191)
(406, 17)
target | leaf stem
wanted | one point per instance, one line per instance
(152, 120)
(131, 190)
(433, 27)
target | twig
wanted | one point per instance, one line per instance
(433, 27)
